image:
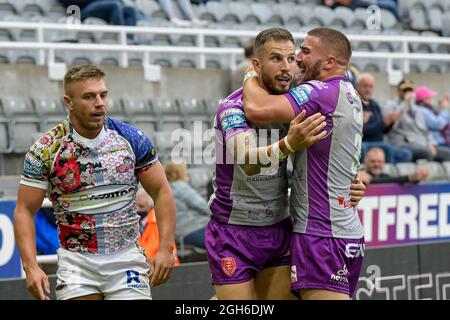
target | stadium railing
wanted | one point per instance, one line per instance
(200, 49)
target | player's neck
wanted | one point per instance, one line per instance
(85, 133)
(331, 75)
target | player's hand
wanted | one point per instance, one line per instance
(38, 284)
(161, 267)
(303, 133)
(357, 191)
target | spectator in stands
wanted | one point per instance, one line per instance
(186, 9)
(192, 210)
(375, 125)
(149, 238)
(373, 170)
(238, 74)
(390, 5)
(112, 11)
(410, 130)
(436, 119)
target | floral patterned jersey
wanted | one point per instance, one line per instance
(91, 183)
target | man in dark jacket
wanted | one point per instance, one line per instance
(373, 171)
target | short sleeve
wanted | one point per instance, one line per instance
(36, 166)
(304, 97)
(145, 153)
(232, 121)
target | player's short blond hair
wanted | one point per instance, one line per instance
(82, 72)
(175, 171)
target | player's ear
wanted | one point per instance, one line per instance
(68, 103)
(256, 64)
(330, 62)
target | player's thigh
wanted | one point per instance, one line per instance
(235, 291)
(95, 296)
(319, 294)
(274, 284)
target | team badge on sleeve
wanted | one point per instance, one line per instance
(232, 118)
(301, 93)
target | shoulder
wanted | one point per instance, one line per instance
(47, 144)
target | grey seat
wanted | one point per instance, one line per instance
(436, 171)
(199, 179)
(47, 106)
(218, 10)
(390, 169)
(418, 17)
(167, 113)
(23, 121)
(115, 107)
(266, 14)
(163, 141)
(388, 20)
(446, 165)
(325, 15)
(406, 168)
(345, 15)
(435, 14)
(190, 107)
(211, 106)
(244, 13)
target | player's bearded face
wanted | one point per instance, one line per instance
(310, 73)
(278, 67)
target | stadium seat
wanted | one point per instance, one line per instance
(199, 179)
(406, 168)
(418, 17)
(163, 141)
(435, 14)
(49, 107)
(345, 15)
(390, 169)
(446, 165)
(437, 171)
(23, 121)
(211, 106)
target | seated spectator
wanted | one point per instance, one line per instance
(192, 209)
(373, 170)
(237, 76)
(410, 130)
(149, 239)
(112, 11)
(375, 125)
(186, 9)
(390, 5)
(436, 119)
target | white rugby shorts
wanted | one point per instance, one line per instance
(123, 275)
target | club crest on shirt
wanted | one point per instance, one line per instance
(229, 265)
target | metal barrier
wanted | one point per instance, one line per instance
(200, 49)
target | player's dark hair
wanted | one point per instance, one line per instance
(276, 34)
(336, 41)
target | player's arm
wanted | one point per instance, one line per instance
(154, 181)
(29, 201)
(301, 134)
(263, 108)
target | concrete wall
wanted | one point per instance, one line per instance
(27, 80)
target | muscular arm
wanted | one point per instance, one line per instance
(301, 134)
(263, 108)
(154, 181)
(29, 200)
